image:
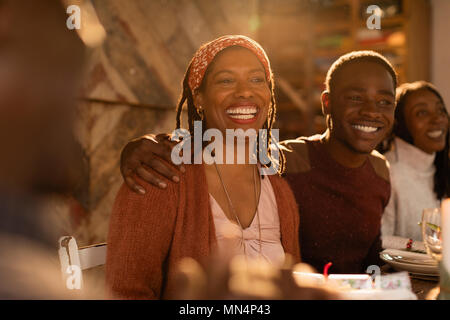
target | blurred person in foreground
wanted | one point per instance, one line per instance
(227, 277)
(418, 153)
(40, 70)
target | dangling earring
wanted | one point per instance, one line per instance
(200, 113)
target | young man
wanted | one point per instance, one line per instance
(340, 183)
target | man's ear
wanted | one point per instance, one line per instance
(325, 99)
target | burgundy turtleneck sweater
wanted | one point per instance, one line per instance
(340, 208)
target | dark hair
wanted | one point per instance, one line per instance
(442, 160)
(187, 96)
(355, 57)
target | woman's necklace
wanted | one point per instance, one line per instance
(234, 211)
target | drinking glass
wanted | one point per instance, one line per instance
(431, 232)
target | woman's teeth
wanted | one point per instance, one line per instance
(242, 116)
(242, 113)
(434, 134)
(364, 128)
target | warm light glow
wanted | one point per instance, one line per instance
(91, 32)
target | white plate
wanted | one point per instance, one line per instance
(404, 256)
(415, 263)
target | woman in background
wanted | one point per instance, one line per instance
(419, 159)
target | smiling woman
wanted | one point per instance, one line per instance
(215, 208)
(419, 158)
(229, 85)
(246, 78)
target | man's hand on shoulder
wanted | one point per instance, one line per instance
(146, 156)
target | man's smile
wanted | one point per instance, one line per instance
(367, 126)
(366, 129)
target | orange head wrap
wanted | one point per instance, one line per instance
(206, 53)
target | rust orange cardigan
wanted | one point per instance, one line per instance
(149, 234)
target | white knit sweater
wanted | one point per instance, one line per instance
(412, 180)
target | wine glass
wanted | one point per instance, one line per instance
(431, 232)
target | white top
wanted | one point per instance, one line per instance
(229, 233)
(412, 190)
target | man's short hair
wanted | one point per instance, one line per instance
(354, 57)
